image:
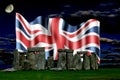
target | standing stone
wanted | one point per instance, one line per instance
(69, 59)
(50, 62)
(93, 61)
(24, 63)
(62, 59)
(16, 59)
(37, 57)
(20, 61)
(41, 60)
(86, 60)
(78, 61)
(31, 57)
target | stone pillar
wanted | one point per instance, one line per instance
(50, 63)
(37, 58)
(31, 57)
(69, 59)
(62, 59)
(20, 61)
(24, 63)
(78, 61)
(93, 61)
(41, 60)
(16, 59)
(86, 60)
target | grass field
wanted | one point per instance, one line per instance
(100, 74)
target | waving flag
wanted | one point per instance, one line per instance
(55, 33)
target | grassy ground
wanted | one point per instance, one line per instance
(100, 74)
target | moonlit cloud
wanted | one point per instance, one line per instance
(112, 41)
(109, 13)
(106, 40)
(106, 4)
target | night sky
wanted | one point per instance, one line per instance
(106, 11)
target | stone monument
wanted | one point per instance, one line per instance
(36, 56)
(62, 64)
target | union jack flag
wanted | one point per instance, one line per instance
(55, 33)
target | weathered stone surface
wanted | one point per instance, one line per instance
(93, 60)
(50, 62)
(37, 49)
(37, 58)
(32, 60)
(20, 61)
(69, 50)
(40, 61)
(69, 59)
(77, 61)
(86, 61)
(23, 62)
(62, 60)
(16, 59)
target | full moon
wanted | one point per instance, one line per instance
(9, 8)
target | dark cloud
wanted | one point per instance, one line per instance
(8, 39)
(106, 11)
